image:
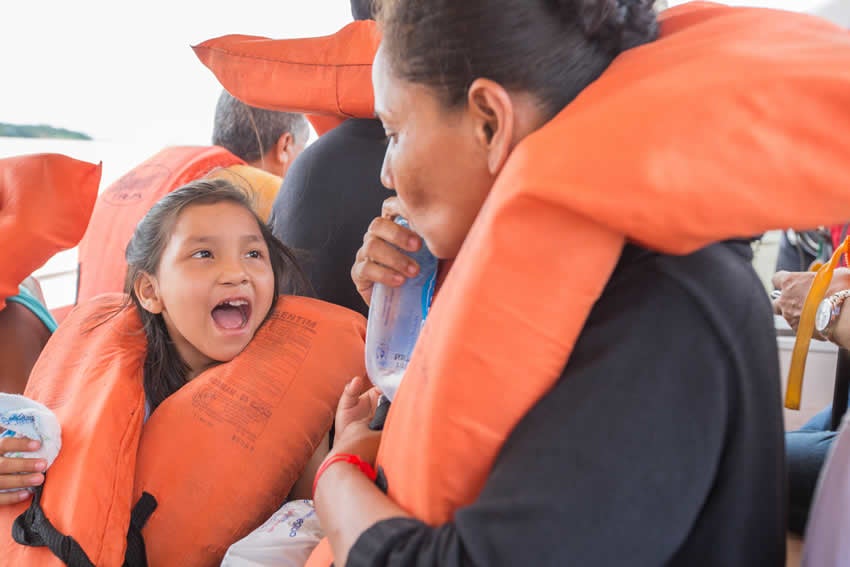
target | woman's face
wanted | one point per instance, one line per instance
(434, 161)
(214, 285)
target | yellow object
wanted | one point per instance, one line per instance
(261, 185)
(806, 328)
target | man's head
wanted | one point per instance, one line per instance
(266, 139)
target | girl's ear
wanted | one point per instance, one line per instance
(147, 290)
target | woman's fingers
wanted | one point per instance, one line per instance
(356, 405)
(385, 229)
(379, 261)
(392, 208)
(352, 392)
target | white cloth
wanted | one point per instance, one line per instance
(23, 417)
(826, 542)
(284, 540)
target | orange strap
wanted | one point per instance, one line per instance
(364, 467)
(807, 326)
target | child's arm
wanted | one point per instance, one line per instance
(303, 487)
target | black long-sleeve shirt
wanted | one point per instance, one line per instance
(328, 198)
(661, 444)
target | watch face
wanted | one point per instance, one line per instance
(823, 315)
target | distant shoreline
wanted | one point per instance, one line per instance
(40, 131)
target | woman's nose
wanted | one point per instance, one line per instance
(386, 172)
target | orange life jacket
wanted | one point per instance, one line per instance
(46, 201)
(219, 456)
(732, 123)
(329, 77)
(121, 206)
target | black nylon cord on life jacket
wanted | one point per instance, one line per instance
(136, 555)
(33, 529)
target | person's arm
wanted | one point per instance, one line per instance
(304, 485)
(795, 287)
(357, 506)
(611, 467)
(841, 333)
(346, 501)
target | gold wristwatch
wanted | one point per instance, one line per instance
(828, 312)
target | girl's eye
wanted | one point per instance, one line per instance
(202, 254)
(254, 254)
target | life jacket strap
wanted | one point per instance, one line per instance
(32, 528)
(136, 556)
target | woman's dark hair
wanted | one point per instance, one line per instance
(552, 49)
(164, 370)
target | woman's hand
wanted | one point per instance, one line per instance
(378, 260)
(354, 413)
(347, 501)
(11, 470)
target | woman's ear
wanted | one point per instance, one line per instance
(147, 290)
(492, 110)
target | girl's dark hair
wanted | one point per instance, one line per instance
(552, 49)
(164, 370)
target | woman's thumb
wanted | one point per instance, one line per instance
(351, 393)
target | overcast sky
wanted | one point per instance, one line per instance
(125, 72)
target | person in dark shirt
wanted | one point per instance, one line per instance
(328, 198)
(661, 442)
(666, 451)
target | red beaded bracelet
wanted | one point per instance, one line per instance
(364, 467)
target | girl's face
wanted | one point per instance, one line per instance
(214, 285)
(434, 162)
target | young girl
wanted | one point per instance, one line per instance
(235, 398)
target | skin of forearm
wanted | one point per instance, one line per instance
(348, 504)
(841, 334)
(840, 280)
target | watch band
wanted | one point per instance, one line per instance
(837, 301)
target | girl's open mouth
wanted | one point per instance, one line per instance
(232, 314)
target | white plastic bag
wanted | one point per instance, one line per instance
(284, 540)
